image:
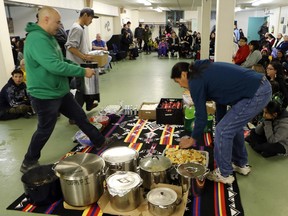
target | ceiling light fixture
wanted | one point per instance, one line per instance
(237, 9)
(145, 2)
(259, 2)
(158, 9)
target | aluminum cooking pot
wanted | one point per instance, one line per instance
(124, 190)
(120, 158)
(41, 185)
(192, 177)
(81, 178)
(162, 201)
(154, 169)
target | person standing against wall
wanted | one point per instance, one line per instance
(139, 35)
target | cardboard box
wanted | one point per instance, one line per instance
(170, 115)
(102, 60)
(143, 210)
(210, 107)
(147, 114)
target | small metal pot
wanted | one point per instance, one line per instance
(81, 177)
(192, 177)
(41, 185)
(162, 201)
(120, 159)
(124, 190)
(154, 169)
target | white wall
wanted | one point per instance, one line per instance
(283, 14)
(274, 20)
(242, 19)
(6, 57)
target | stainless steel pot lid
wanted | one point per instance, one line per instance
(157, 163)
(79, 165)
(162, 196)
(123, 181)
(119, 154)
(191, 170)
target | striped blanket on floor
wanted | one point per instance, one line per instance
(148, 138)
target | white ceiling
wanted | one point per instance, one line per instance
(186, 4)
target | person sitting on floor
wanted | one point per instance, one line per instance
(254, 56)
(162, 48)
(173, 45)
(14, 101)
(274, 73)
(270, 137)
(242, 52)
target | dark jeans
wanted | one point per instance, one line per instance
(47, 111)
(88, 99)
(260, 145)
(139, 41)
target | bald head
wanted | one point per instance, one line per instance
(49, 19)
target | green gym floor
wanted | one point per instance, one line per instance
(147, 79)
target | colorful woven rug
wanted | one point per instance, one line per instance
(150, 138)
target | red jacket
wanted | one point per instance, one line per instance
(241, 54)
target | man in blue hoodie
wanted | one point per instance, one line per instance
(246, 91)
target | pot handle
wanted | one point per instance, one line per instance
(53, 168)
(202, 177)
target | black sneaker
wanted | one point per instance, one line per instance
(25, 167)
(108, 141)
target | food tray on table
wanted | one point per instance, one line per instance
(181, 156)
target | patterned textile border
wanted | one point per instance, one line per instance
(149, 138)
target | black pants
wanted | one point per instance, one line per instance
(88, 99)
(139, 41)
(47, 112)
(260, 145)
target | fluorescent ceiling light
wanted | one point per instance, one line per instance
(259, 2)
(237, 9)
(145, 2)
(158, 9)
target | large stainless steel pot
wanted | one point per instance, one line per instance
(154, 169)
(120, 159)
(192, 177)
(41, 185)
(162, 201)
(124, 190)
(81, 178)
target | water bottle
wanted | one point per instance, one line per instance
(209, 125)
(189, 118)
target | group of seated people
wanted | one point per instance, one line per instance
(270, 137)
(170, 45)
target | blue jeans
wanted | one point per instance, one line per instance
(229, 135)
(47, 111)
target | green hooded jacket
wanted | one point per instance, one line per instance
(47, 70)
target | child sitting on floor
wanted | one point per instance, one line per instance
(162, 48)
(270, 137)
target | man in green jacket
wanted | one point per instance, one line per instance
(47, 83)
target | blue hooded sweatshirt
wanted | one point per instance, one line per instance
(222, 82)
